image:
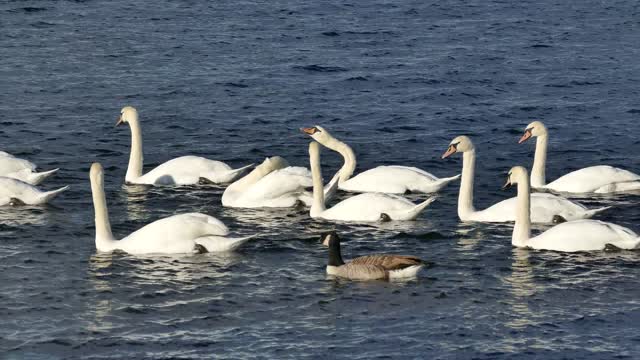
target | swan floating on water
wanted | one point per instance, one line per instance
(543, 207)
(17, 192)
(370, 267)
(185, 170)
(384, 179)
(177, 234)
(599, 179)
(21, 169)
(367, 207)
(571, 236)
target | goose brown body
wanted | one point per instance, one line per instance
(370, 267)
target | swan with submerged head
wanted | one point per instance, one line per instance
(21, 169)
(544, 207)
(571, 236)
(384, 179)
(17, 192)
(178, 234)
(599, 179)
(185, 170)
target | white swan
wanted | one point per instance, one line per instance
(544, 206)
(177, 234)
(367, 207)
(593, 179)
(578, 235)
(385, 179)
(21, 169)
(273, 184)
(17, 192)
(185, 170)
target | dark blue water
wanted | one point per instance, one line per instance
(233, 80)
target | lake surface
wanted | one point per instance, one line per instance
(233, 81)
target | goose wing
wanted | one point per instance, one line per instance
(388, 262)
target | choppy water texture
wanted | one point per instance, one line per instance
(233, 80)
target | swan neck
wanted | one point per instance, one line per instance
(134, 171)
(317, 207)
(522, 226)
(104, 236)
(538, 176)
(349, 166)
(465, 198)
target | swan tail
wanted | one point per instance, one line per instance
(413, 212)
(236, 173)
(38, 177)
(408, 272)
(590, 213)
(47, 196)
(221, 243)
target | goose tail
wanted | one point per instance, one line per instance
(38, 177)
(221, 243)
(47, 196)
(408, 272)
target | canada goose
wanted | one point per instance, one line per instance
(370, 267)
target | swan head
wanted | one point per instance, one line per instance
(96, 174)
(127, 114)
(328, 237)
(317, 132)
(459, 144)
(536, 128)
(516, 175)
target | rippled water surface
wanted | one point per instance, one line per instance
(234, 80)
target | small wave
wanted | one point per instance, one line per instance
(320, 68)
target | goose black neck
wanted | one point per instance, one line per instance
(335, 258)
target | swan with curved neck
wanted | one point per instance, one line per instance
(21, 169)
(384, 179)
(545, 206)
(593, 179)
(367, 207)
(578, 235)
(185, 170)
(274, 184)
(177, 234)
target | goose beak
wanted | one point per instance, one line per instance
(308, 131)
(119, 121)
(450, 150)
(525, 137)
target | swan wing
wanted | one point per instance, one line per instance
(591, 179)
(13, 188)
(173, 234)
(11, 164)
(585, 235)
(395, 179)
(544, 207)
(367, 207)
(289, 181)
(185, 170)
